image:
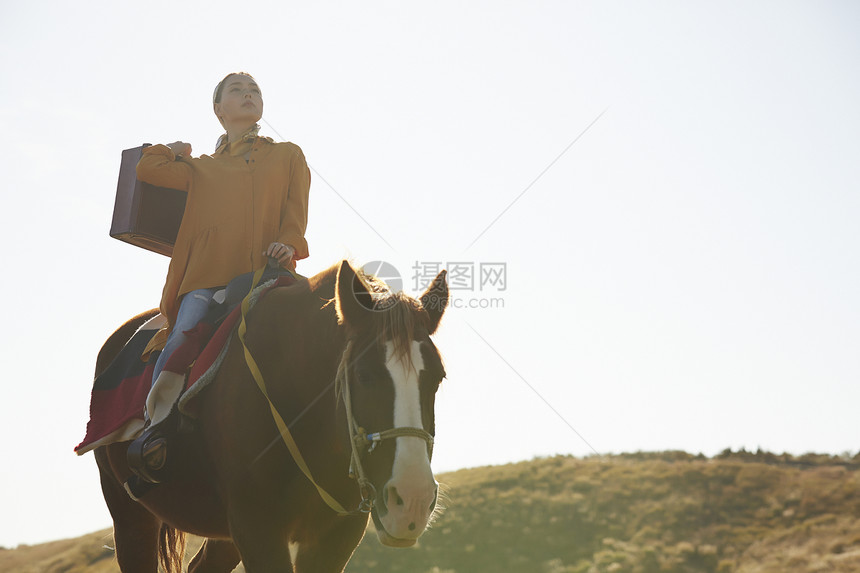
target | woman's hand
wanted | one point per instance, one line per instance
(284, 253)
(180, 148)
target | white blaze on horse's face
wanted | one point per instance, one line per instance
(410, 494)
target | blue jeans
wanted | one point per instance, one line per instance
(192, 308)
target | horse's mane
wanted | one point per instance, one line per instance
(395, 316)
(397, 323)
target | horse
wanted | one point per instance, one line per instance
(352, 368)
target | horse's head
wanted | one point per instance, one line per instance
(393, 371)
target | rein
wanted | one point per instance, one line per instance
(361, 442)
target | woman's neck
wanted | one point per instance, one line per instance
(234, 132)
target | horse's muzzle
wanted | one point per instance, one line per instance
(403, 510)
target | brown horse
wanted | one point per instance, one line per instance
(234, 480)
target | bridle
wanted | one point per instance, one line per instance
(364, 443)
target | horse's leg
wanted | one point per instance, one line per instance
(263, 546)
(256, 519)
(215, 556)
(135, 529)
(330, 552)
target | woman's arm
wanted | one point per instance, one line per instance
(159, 166)
(294, 212)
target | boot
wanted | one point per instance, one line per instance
(147, 455)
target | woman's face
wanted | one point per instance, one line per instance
(241, 101)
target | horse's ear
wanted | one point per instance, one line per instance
(435, 299)
(353, 300)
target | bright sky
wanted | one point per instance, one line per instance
(684, 276)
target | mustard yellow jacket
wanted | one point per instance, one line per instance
(234, 210)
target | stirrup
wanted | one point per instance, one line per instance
(147, 455)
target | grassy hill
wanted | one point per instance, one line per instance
(670, 511)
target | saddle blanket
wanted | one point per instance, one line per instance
(118, 399)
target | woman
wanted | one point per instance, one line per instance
(246, 202)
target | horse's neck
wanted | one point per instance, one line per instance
(323, 340)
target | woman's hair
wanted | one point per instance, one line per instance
(216, 98)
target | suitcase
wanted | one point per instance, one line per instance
(145, 215)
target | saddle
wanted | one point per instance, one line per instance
(147, 454)
(117, 403)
